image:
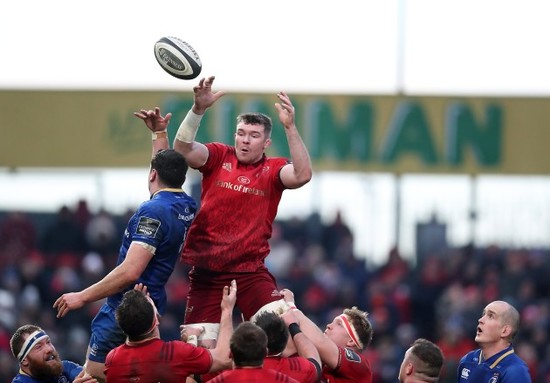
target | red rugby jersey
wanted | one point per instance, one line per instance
(238, 206)
(156, 361)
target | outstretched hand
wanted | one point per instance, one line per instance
(154, 120)
(285, 109)
(204, 97)
(68, 302)
(229, 296)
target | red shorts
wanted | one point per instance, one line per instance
(254, 290)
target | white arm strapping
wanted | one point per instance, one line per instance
(188, 127)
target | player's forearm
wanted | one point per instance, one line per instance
(221, 352)
(114, 282)
(328, 351)
(160, 142)
(299, 156)
(309, 328)
(305, 347)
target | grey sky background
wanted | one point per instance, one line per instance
(319, 46)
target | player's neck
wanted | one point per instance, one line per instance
(489, 350)
(139, 342)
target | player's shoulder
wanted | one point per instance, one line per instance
(71, 369)
(351, 356)
(472, 356)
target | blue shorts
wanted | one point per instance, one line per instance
(106, 334)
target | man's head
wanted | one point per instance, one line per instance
(168, 168)
(499, 323)
(35, 352)
(252, 137)
(422, 363)
(276, 331)
(248, 345)
(351, 329)
(136, 315)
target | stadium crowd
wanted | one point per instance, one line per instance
(440, 297)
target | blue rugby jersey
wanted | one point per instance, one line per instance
(504, 367)
(162, 222)
(69, 374)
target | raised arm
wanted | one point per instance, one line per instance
(194, 152)
(304, 345)
(118, 279)
(158, 125)
(328, 350)
(299, 172)
(220, 354)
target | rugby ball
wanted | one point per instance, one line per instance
(178, 58)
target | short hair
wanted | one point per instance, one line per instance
(361, 324)
(256, 119)
(17, 340)
(248, 345)
(135, 315)
(510, 316)
(276, 330)
(428, 358)
(171, 167)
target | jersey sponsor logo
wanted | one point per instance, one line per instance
(147, 227)
(465, 373)
(63, 379)
(186, 218)
(352, 355)
(244, 180)
(265, 169)
(226, 166)
(240, 188)
(494, 378)
(93, 349)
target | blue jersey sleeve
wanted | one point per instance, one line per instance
(71, 369)
(147, 225)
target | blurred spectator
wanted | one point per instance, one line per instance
(335, 234)
(281, 256)
(17, 237)
(63, 241)
(440, 299)
(102, 234)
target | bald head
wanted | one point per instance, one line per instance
(508, 316)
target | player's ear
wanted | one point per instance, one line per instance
(409, 368)
(506, 330)
(350, 343)
(267, 143)
(152, 175)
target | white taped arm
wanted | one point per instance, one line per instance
(188, 127)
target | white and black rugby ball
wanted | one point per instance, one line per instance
(178, 58)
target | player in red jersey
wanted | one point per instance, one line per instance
(241, 190)
(422, 363)
(248, 350)
(298, 358)
(146, 358)
(341, 345)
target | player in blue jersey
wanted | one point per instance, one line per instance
(495, 360)
(150, 248)
(39, 362)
